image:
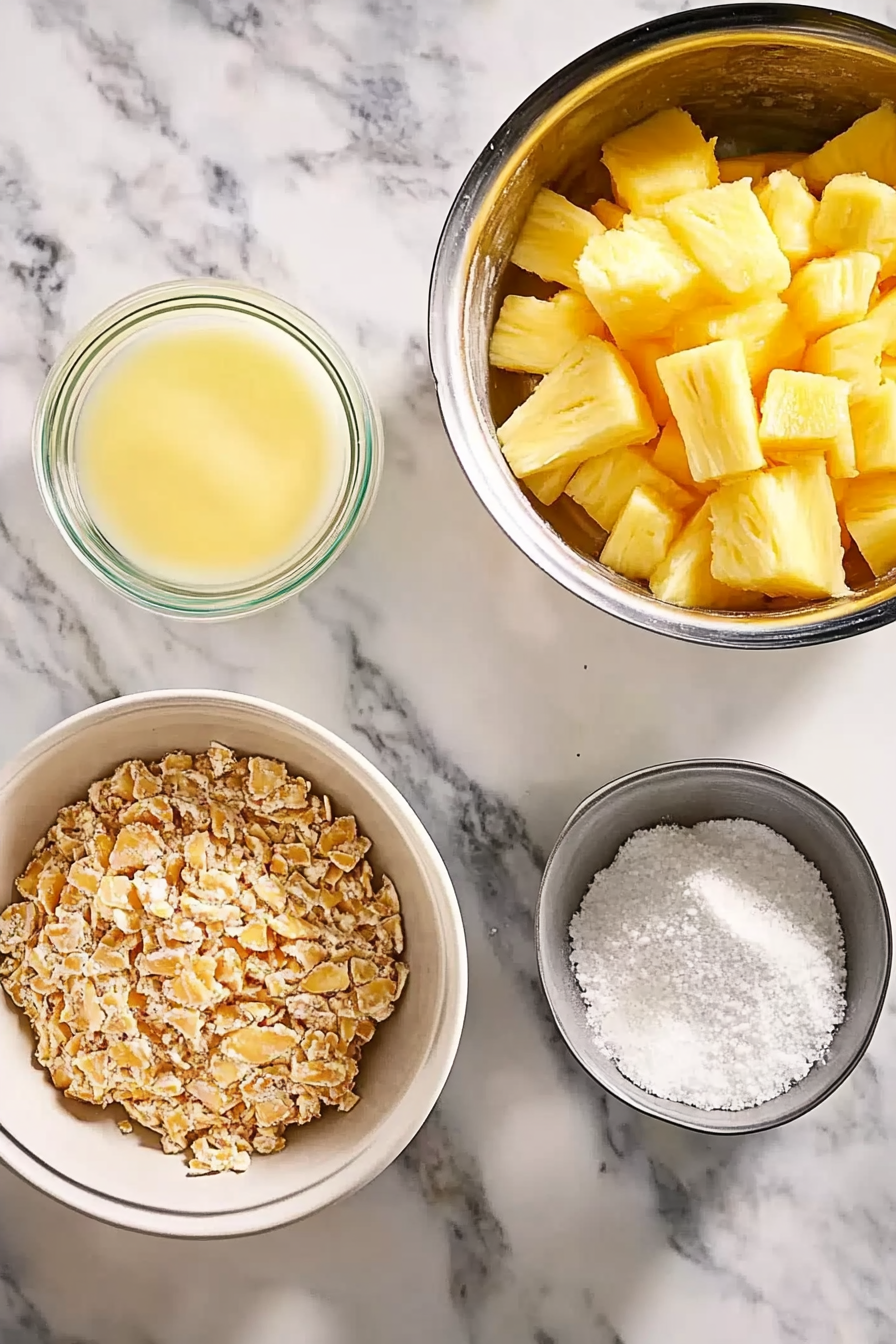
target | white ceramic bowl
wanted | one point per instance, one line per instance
(75, 1152)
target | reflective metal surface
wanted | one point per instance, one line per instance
(758, 77)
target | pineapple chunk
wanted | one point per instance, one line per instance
(841, 460)
(553, 237)
(685, 577)
(637, 278)
(858, 214)
(588, 404)
(832, 292)
(768, 331)
(658, 159)
(641, 535)
(840, 487)
(547, 486)
(671, 458)
(533, 335)
(755, 166)
(750, 165)
(603, 485)
(778, 159)
(643, 355)
(609, 213)
(807, 413)
(777, 532)
(791, 209)
(727, 234)
(868, 146)
(869, 511)
(888, 368)
(882, 315)
(851, 353)
(874, 428)
(712, 401)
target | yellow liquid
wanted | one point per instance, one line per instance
(211, 453)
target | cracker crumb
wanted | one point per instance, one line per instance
(202, 941)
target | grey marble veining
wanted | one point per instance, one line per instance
(312, 147)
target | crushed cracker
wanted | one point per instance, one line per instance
(202, 941)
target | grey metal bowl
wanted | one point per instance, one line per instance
(685, 793)
(759, 77)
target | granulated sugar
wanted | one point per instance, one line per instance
(711, 962)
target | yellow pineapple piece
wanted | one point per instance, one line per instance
(547, 486)
(882, 315)
(638, 278)
(685, 576)
(869, 511)
(791, 209)
(603, 485)
(868, 146)
(671, 458)
(643, 355)
(858, 214)
(841, 460)
(851, 353)
(641, 535)
(755, 166)
(725, 231)
(658, 159)
(712, 401)
(802, 412)
(553, 237)
(533, 335)
(609, 213)
(840, 487)
(832, 292)
(767, 330)
(749, 165)
(874, 428)
(807, 413)
(588, 404)
(778, 159)
(888, 368)
(777, 532)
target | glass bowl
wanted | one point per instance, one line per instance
(63, 399)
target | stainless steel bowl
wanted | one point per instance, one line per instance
(758, 77)
(686, 793)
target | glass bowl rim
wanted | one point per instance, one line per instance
(50, 446)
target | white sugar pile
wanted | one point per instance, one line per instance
(711, 962)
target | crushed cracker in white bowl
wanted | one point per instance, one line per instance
(203, 943)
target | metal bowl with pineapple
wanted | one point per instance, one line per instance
(663, 326)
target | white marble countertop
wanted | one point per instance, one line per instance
(312, 147)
